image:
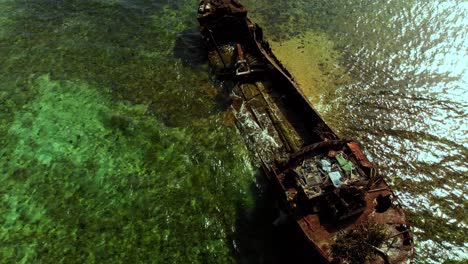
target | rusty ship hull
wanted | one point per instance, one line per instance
(325, 184)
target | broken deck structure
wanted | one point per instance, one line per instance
(343, 207)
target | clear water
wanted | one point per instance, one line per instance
(116, 146)
(393, 74)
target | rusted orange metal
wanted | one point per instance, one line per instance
(361, 158)
(326, 185)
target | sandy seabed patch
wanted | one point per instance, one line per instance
(314, 63)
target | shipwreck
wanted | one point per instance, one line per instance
(343, 207)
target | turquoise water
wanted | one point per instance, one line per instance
(116, 145)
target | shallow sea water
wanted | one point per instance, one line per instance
(394, 75)
(116, 145)
(112, 150)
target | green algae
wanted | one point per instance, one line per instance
(357, 245)
(127, 49)
(112, 150)
(79, 188)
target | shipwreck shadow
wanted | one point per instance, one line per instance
(190, 50)
(258, 240)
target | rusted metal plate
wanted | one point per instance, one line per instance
(362, 159)
(327, 185)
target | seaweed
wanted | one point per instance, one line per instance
(111, 148)
(358, 244)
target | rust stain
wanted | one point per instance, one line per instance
(327, 185)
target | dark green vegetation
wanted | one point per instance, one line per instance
(357, 246)
(111, 149)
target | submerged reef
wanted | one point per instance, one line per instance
(88, 179)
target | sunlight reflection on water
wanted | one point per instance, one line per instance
(407, 99)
